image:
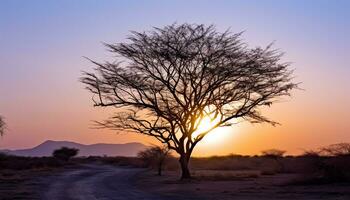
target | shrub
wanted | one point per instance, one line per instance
(154, 157)
(340, 149)
(311, 153)
(65, 153)
(273, 153)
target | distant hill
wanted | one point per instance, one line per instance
(101, 149)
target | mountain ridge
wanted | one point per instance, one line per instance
(99, 149)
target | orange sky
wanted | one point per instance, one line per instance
(41, 61)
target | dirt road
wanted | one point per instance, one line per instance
(104, 182)
(92, 182)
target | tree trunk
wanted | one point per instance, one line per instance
(184, 167)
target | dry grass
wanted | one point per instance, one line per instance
(225, 175)
(116, 160)
(319, 168)
(25, 163)
(21, 184)
(312, 168)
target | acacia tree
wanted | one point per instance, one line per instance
(2, 126)
(155, 157)
(340, 149)
(166, 81)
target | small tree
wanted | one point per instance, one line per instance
(274, 153)
(166, 82)
(311, 153)
(2, 126)
(340, 149)
(154, 157)
(65, 153)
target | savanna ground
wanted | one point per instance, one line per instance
(228, 177)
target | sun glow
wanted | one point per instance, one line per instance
(217, 135)
(206, 124)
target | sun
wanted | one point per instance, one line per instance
(217, 135)
(206, 123)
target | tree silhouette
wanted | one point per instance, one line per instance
(65, 153)
(2, 126)
(340, 149)
(154, 157)
(273, 153)
(165, 82)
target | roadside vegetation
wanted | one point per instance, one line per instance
(155, 157)
(325, 165)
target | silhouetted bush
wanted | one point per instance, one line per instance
(340, 149)
(154, 157)
(65, 153)
(329, 164)
(311, 153)
(273, 153)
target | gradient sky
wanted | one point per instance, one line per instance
(42, 44)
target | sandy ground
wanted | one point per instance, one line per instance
(91, 182)
(20, 184)
(274, 187)
(94, 181)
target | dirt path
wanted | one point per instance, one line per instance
(102, 182)
(92, 182)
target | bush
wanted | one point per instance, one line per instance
(329, 164)
(340, 149)
(273, 153)
(65, 153)
(154, 157)
(311, 153)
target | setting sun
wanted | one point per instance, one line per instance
(215, 136)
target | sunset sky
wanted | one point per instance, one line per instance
(42, 44)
